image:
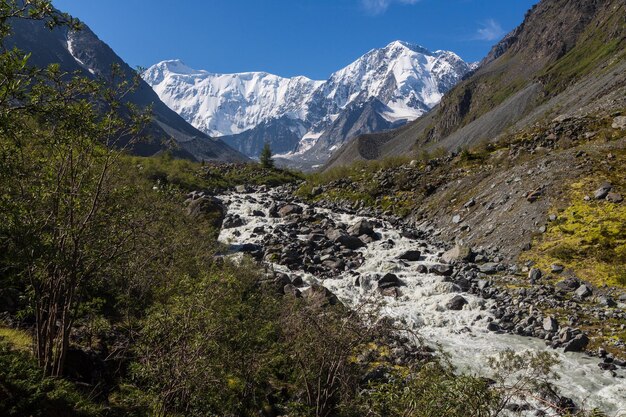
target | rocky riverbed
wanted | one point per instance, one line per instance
(454, 298)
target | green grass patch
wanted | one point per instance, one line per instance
(17, 339)
(188, 175)
(589, 237)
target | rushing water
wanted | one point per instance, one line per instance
(463, 334)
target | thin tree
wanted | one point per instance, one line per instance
(266, 157)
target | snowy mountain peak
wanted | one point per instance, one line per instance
(406, 45)
(383, 88)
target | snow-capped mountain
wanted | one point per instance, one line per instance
(307, 120)
(228, 104)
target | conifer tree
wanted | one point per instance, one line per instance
(266, 157)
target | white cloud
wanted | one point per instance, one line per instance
(489, 30)
(380, 6)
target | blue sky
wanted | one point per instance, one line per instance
(291, 37)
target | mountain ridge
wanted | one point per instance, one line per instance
(84, 52)
(248, 108)
(552, 64)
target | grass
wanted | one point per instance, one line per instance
(18, 339)
(189, 175)
(588, 237)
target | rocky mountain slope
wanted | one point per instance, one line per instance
(84, 52)
(568, 58)
(306, 120)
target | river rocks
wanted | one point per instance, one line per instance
(334, 234)
(350, 242)
(243, 189)
(411, 256)
(456, 303)
(289, 210)
(231, 221)
(443, 270)
(460, 253)
(390, 292)
(577, 344)
(388, 281)
(550, 324)
(493, 327)
(362, 227)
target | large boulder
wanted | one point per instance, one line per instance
(289, 209)
(360, 228)
(577, 344)
(583, 291)
(488, 268)
(350, 242)
(388, 281)
(411, 256)
(231, 222)
(319, 295)
(459, 253)
(603, 191)
(456, 303)
(206, 208)
(550, 324)
(619, 123)
(334, 234)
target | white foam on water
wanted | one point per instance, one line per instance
(421, 306)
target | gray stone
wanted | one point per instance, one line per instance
(488, 268)
(334, 234)
(557, 269)
(456, 219)
(619, 122)
(583, 291)
(456, 303)
(603, 191)
(242, 189)
(534, 274)
(388, 281)
(411, 256)
(362, 227)
(350, 242)
(289, 209)
(470, 203)
(614, 198)
(550, 324)
(459, 253)
(577, 344)
(607, 301)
